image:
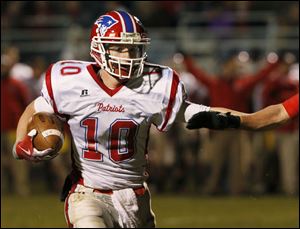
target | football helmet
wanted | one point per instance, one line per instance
(114, 29)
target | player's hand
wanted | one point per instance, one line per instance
(213, 120)
(24, 149)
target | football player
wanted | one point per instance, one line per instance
(109, 106)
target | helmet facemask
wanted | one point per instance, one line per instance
(123, 68)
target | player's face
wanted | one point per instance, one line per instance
(126, 53)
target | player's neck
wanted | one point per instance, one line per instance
(108, 80)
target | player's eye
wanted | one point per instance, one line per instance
(136, 50)
(117, 49)
(133, 50)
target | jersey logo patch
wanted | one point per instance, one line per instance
(84, 92)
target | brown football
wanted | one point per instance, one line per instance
(49, 131)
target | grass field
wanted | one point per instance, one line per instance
(171, 211)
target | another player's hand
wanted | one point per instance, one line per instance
(24, 149)
(213, 120)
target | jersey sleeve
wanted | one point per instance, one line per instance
(42, 105)
(291, 105)
(174, 95)
(61, 83)
(47, 89)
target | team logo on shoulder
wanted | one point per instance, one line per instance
(104, 23)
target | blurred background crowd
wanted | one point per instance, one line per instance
(242, 55)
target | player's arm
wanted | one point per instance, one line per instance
(223, 118)
(23, 147)
(272, 116)
(267, 118)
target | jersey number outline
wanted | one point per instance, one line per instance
(122, 134)
(69, 70)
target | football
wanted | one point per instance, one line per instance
(49, 132)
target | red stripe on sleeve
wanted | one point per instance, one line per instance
(49, 87)
(175, 82)
(292, 105)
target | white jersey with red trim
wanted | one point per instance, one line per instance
(110, 128)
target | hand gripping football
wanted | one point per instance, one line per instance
(49, 131)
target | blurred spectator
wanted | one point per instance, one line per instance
(188, 144)
(161, 160)
(14, 99)
(20, 71)
(14, 55)
(232, 88)
(196, 90)
(39, 65)
(285, 83)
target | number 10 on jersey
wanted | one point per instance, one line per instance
(122, 133)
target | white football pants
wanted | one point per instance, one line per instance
(85, 208)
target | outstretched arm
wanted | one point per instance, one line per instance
(267, 118)
(272, 116)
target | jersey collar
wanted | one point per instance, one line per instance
(93, 69)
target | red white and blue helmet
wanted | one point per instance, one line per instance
(119, 27)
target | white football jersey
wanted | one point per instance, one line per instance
(110, 128)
